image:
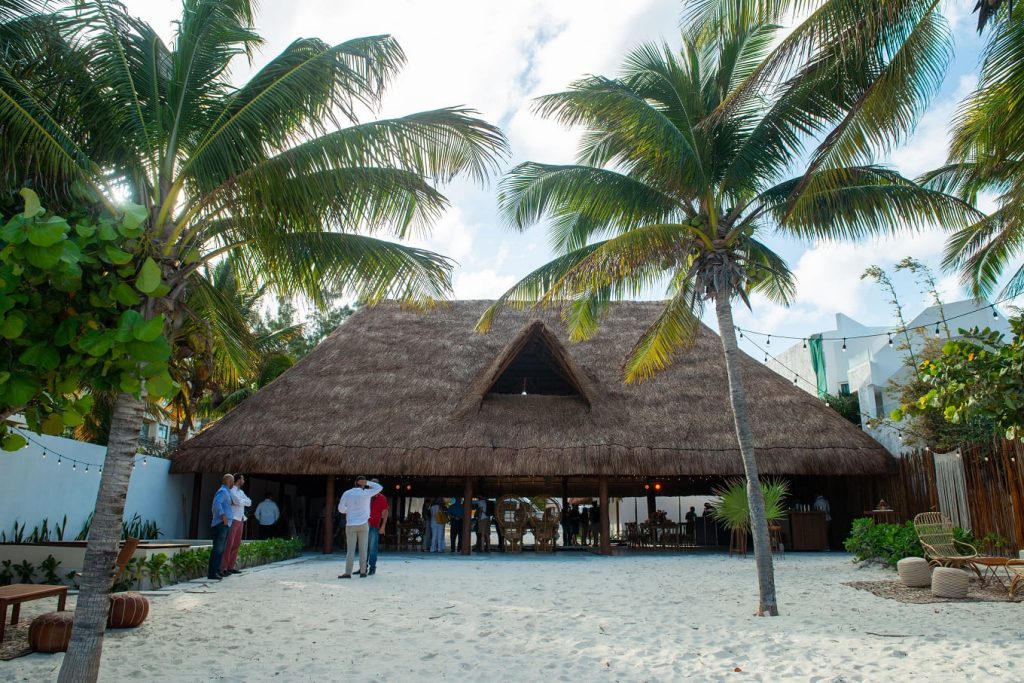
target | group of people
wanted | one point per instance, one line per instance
(438, 513)
(228, 523)
(581, 526)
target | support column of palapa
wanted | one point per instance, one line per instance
(467, 516)
(328, 546)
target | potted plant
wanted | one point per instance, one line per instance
(733, 511)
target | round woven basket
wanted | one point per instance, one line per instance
(948, 582)
(914, 572)
(51, 632)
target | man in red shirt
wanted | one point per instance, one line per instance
(378, 518)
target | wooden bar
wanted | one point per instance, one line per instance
(328, 546)
(606, 540)
(467, 516)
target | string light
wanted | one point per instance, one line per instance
(922, 328)
(769, 342)
(805, 343)
(890, 339)
(46, 450)
(844, 343)
(936, 329)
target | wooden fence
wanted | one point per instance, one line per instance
(994, 478)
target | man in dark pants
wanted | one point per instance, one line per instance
(455, 513)
(220, 525)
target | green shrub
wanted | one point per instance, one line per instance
(886, 544)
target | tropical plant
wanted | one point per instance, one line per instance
(683, 167)
(732, 508)
(93, 104)
(6, 573)
(979, 377)
(25, 571)
(986, 156)
(49, 569)
(158, 569)
(885, 544)
(847, 405)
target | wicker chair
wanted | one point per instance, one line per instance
(941, 549)
(1016, 570)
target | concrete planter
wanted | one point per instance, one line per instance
(71, 555)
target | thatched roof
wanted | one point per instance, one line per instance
(402, 392)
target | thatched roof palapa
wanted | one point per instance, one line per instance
(400, 392)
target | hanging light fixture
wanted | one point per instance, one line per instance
(145, 460)
(936, 329)
(844, 343)
(890, 338)
(58, 459)
(769, 342)
(995, 314)
(794, 379)
(805, 343)
(524, 387)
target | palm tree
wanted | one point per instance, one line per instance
(987, 156)
(682, 169)
(899, 50)
(278, 171)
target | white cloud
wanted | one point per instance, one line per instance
(926, 149)
(481, 284)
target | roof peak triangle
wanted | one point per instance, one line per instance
(535, 361)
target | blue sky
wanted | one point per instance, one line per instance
(496, 57)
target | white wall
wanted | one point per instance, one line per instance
(33, 488)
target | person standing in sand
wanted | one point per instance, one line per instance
(355, 505)
(239, 501)
(438, 520)
(378, 520)
(219, 526)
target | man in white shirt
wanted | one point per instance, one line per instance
(267, 514)
(239, 501)
(355, 505)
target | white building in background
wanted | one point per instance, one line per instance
(856, 358)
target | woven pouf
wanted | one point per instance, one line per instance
(127, 610)
(948, 582)
(914, 572)
(51, 632)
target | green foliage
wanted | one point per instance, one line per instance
(847, 405)
(49, 569)
(67, 314)
(977, 377)
(6, 573)
(733, 511)
(158, 569)
(883, 543)
(136, 527)
(25, 571)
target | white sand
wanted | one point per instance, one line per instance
(565, 618)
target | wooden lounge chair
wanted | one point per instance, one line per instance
(124, 556)
(941, 549)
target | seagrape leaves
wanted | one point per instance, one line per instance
(70, 298)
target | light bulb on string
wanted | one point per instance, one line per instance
(936, 329)
(145, 461)
(995, 314)
(74, 465)
(794, 379)
(805, 343)
(769, 342)
(890, 338)
(44, 454)
(58, 459)
(844, 343)
(766, 358)
(87, 469)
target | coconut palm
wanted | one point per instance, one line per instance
(683, 168)
(987, 156)
(278, 171)
(902, 47)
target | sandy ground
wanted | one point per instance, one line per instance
(570, 617)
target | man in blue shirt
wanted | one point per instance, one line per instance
(219, 526)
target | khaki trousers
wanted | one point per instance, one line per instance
(357, 535)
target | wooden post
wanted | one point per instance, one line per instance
(197, 495)
(606, 540)
(652, 505)
(467, 517)
(328, 547)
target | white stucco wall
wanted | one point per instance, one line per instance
(33, 488)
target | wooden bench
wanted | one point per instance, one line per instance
(18, 593)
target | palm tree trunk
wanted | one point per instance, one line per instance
(82, 661)
(745, 436)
